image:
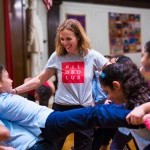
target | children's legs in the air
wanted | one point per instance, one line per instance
(60, 124)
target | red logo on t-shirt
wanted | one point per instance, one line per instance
(73, 72)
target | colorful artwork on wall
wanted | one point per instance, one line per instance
(80, 18)
(124, 33)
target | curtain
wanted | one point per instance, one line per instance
(8, 49)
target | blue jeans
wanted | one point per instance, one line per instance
(83, 138)
(60, 124)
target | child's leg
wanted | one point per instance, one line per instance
(120, 140)
(60, 124)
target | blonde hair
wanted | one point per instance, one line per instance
(74, 26)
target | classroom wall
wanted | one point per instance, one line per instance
(42, 12)
(97, 23)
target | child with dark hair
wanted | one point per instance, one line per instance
(125, 85)
(145, 69)
(43, 93)
(124, 60)
(102, 137)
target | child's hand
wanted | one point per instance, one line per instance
(135, 116)
(107, 101)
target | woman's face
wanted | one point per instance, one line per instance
(69, 41)
(145, 60)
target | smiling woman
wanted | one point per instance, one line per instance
(74, 63)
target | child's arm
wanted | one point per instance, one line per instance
(136, 115)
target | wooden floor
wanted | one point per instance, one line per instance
(69, 142)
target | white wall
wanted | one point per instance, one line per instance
(97, 23)
(42, 12)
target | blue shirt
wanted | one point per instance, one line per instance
(20, 138)
(23, 112)
(98, 93)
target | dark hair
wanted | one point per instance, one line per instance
(147, 47)
(124, 60)
(1, 70)
(44, 93)
(135, 88)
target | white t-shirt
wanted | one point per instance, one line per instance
(75, 74)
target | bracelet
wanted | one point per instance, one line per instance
(16, 91)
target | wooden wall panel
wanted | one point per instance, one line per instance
(17, 23)
(53, 22)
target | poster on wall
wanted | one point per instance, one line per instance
(80, 18)
(124, 33)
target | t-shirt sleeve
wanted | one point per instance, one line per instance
(99, 60)
(52, 61)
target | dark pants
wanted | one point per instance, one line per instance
(82, 138)
(147, 148)
(102, 137)
(60, 124)
(42, 145)
(120, 142)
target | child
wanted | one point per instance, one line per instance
(145, 61)
(55, 125)
(124, 84)
(43, 93)
(101, 136)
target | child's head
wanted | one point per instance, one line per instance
(5, 81)
(43, 94)
(124, 60)
(114, 58)
(146, 55)
(124, 84)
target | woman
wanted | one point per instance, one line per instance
(74, 63)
